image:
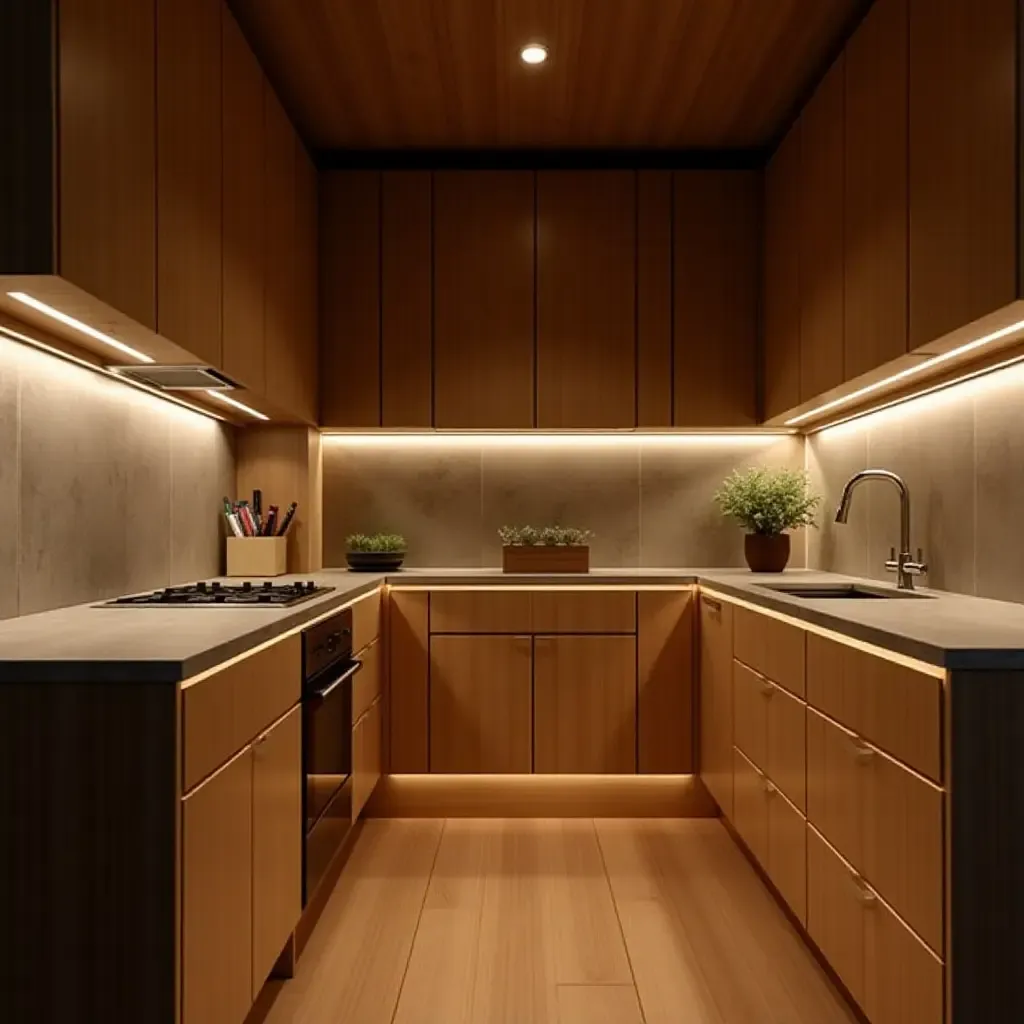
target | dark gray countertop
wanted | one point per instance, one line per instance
(87, 643)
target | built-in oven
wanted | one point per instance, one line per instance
(327, 677)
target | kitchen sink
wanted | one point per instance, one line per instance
(840, 591)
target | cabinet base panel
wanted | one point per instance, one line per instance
(540, 796)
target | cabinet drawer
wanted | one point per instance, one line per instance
(584, 611)
(365, 621)
(480, 611)
(787, 852)
(366, 684)
(787, 745)
(716, 693)
(834, 785)
(223, 712)
(366, 757)
(751, 695)
(772, 647)
(750, 806)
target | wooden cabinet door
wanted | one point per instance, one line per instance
(189, 115)
(786, 762)
(366, 685)
(586, 299)
(963, 156)
(787, 851)
(665, 681)
(875, 204)
(305, 284)
(716, 757)
(276, 842)
(584, 717)
(782, 277)
(408, 680)
(751, 694)
(366, 757)
(244, 156)
(350, 298)
(717, 243)
(481, 705)
(835, 784)
(772, 647)
(216, 906)
(107, 150)
(484, 244)
(750, 806)
(820, 237)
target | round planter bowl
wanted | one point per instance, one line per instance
(766, 553)
(374, 561)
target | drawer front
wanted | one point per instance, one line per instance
(223, 712)
(772, 647)
(480, 611)
(751, 696)
(787, 745)
(787, 852)
(366, 684)
(365, 621)
(750, 806)
(584, 611)
(903, 843)
(827, 686)
(366, 757)
(835, 785)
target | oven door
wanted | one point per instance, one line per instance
(327, 767)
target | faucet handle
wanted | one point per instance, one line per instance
(918, 568)
(893, 563)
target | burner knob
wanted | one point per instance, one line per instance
(267, 585)
(246, 587)
(201, 587)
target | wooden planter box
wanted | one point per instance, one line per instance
(536, 559)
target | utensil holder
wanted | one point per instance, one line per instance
(257, 556)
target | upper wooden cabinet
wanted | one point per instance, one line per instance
(781, 278)
(189, 115)
(875, 214)
(484, 243)
(820, 236)
(964, 94)
(586, 299)
(717, 246)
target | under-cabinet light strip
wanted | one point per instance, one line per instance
(82, 328)
(911, 371)
(528, 439)
(235, 404)
(24, 339)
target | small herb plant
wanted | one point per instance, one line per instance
(543, 536)
(391, 543)
(768, 501)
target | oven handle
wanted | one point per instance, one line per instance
(320, 695)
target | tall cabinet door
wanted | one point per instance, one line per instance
(276, 842)
(481, 704)
(216, 910)
(189, 175)
(586, 299)
(717, 235)
(716, 691)
(875, 190)
(305, 278)
(584, 717)
(483, 299)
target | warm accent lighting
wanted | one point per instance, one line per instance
(530, 439)
(911, 371)
(235, 404)
(70, 321)
(533, 53)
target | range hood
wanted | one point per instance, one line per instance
(177, 378)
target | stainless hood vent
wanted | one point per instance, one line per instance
(178, 378)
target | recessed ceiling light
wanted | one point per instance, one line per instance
(533, 53)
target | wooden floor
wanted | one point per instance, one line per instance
(553, 922)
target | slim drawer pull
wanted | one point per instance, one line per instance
(862, 752)
(711, 602)
(770, 788)
(865, 897)
(767, 690)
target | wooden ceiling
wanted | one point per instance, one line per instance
(621, 73)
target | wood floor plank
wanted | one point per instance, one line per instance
(353, 966)
(598, 1004)
(707, 941)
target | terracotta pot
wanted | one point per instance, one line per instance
(766, 553)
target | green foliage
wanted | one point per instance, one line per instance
(543, 536)
(378, 542)
(768, 501)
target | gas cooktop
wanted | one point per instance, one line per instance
(202, 595)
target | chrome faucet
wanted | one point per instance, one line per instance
(902, 564)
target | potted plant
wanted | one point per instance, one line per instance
(768, 502)
(544, 549)
(379, 552)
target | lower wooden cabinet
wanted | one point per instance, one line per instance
(787, 745)
(217, 883)
(787, 851)
(584, 715)
(366, 757)
(750, 806)
(276, 842)
(715, 683)
(834, 763)
(481, 705)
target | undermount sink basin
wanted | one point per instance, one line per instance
(839, 591)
